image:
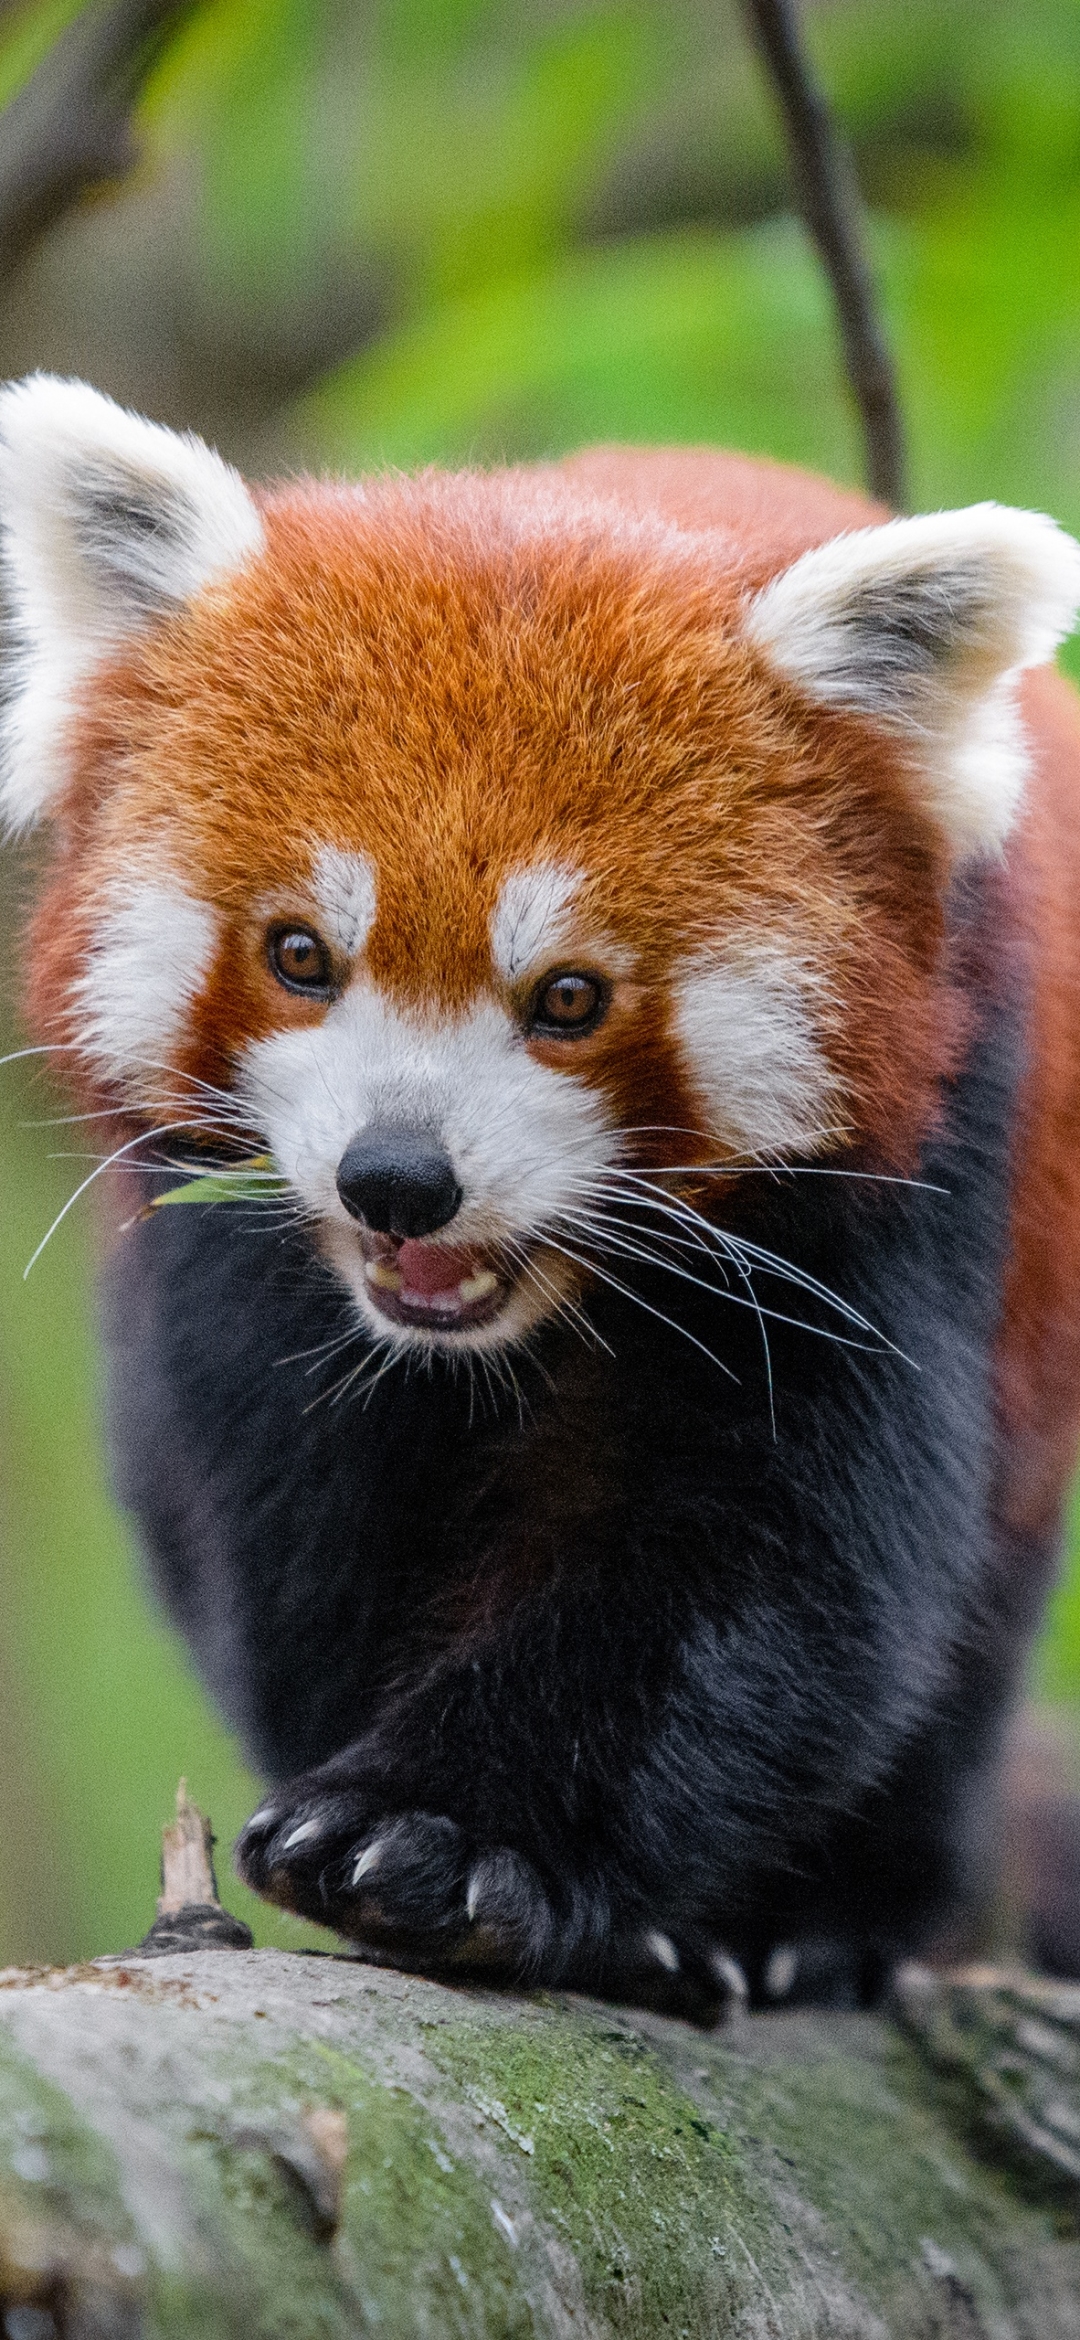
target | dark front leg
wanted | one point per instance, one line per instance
(481, 1826)
(589, 1800)
(419, 1890)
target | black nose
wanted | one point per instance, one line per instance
(399, 1181)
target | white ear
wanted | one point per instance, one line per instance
(107, 522)
(923, 625)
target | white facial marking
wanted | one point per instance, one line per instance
(529, 921)
(345, 893)
(153, 948)
(108, 521)
(744, 1017)
(519, 1134)
(924, 625)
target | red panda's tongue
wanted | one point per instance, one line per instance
(428, 1268)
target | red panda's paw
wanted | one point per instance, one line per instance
(409, 1888)
(412, 1891)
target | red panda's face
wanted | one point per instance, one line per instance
(496, 862)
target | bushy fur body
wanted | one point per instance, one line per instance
(743, 1688)
(671, 1610)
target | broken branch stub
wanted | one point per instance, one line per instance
(189, 1912)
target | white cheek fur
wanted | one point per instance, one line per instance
(153, 947)
(744, 1018)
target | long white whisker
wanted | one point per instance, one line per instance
(323, 1350)
(598, 1228)
(741, 1169)
(338, 1389)
(370, 1387)
(712, 1238)
(563, 1305)
(605, 1217)
(771, 1263)
(219, 1172)
(755, 1304)
(787, 1273)
(629, 1294)
(48, 1048)
(145, 1137)
(749, 1301)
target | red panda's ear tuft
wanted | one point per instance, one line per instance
(107, 521)
(922, 626)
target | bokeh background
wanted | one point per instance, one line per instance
(367, 232)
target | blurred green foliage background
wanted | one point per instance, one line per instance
(401, 231)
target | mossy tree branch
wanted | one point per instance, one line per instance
(262, 2144)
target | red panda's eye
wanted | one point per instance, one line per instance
(567, 1005)
(300, 960)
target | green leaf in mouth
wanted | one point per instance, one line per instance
(256, 1178)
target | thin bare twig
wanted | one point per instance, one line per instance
(832, 207)
(189, 1913)
(69, 128)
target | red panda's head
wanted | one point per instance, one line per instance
(488, 853)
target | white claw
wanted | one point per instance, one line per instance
(662, 1948)
(369, 1859)
(264, 1817)
(781, 1968)
(307, 1828)
(730, 1976)
(472, 1898)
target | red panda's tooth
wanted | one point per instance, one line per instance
(477, 1287)
(387, 1278)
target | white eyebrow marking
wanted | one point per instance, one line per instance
(345, 893)
(529, 918)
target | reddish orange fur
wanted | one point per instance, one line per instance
(467, 674)
(1039, 1355)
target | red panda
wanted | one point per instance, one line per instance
(632, 902)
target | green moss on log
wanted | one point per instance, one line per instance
(649, 2193)
(417, 2247)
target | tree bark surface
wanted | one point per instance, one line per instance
(247, 2143)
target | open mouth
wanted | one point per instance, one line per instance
(433, 1287)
